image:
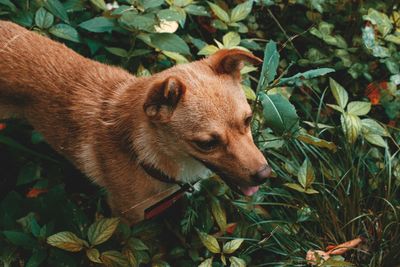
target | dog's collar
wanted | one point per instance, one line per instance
(168, 201)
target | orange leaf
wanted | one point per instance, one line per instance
(35, 192)
(2, 126)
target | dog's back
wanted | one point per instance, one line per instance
(39, 76)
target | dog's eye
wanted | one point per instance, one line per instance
(207, 145)
(247, 121)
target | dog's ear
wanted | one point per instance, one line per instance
(163, 98)
(231, 61)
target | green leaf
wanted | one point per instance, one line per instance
(375, 139)
(206, 263)
(133, 20)
(380, 20)
(336, 107)
(373, 127)
(57, 8)
(137, 244)
(28, 173)
(170, 15)
(20, 239)
(100, 4)
(208, 50)
(339, 93)
(241, 11)
(250, 95)
(219, 12)
(179, 59)
(231, 39)
(66, 241)
(113, 258)
(358, 108)
(232, 246)
(315, 141)
(9, 4)
(117, 51)
(98, 24)
(301, 189)
(219, 213)
(151, 3)
(310, 74)
(306, 174)
(43, 18)
(279, 114)
(351, 126)
(209, 242)
(237, 262)
(270, 62)
(66, 32)
(170, 42)
(101, 230)
(197, 10)
(93, 255)
(37, 258)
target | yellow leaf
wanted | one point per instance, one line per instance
(102, 230)
(351, 125)
(232, 246)
(339, 93)
(113, 258)
(219, 213)
(93, 255)
(66, 241)
(209, 242)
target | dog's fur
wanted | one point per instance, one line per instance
(108, 122)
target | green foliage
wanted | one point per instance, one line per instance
(332, 142)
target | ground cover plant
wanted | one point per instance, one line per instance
(326, 113)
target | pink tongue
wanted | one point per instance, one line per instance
(250, 190)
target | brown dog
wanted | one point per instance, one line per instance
(133, 136)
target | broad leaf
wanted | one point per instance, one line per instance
(375, 139)
(358, 108)
(37, 258)
(306, 174)
(170, 42)
(66, 241)
(380, 20)
(241, 11)
(310, 74)
(373, 127)
(209, 242)
(315, 141)
(98, 24)
(219, 213)
(117, 51)
(339, 93)
(270, 62)
(113, 258)
(20, 239)
(100, 4)
(137, 244)
(206, 263)
(231, 39)
(197, 10)
(351, 125)
(28, 173)
(232, 246)
(93, 255)
(219, 12)
(43, 18)
(57, 9)
(237, 262)
(280, 115)
(208, 50)
(66, 32)
(102, 230)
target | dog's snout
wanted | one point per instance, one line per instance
(262, 174)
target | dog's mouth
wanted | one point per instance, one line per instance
(246, 190)
(249, 190)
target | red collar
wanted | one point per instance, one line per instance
(167, 202)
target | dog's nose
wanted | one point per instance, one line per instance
(262, 174)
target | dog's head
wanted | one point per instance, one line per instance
(201, 108)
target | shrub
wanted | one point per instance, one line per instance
(332, 142)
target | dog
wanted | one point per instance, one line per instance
(138, 137)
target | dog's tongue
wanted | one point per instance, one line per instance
(249, 190)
